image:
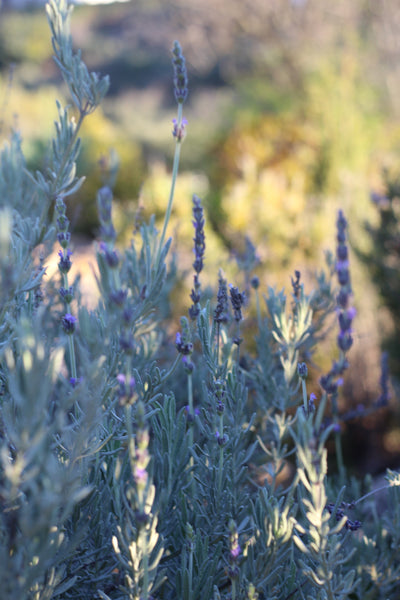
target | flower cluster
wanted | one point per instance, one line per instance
(340, 513)
(346, 313)
(68, 321)
(199, 248)
(184, 345)
(237, 301)
(221, 312)
(180, 74)
(179, 129)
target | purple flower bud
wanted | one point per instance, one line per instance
(62, 223)
(221, 439)
(179, 129)
(235, 552)
(68, 323)
(302, 370)
(343, 298)
(345, 341)
(346, 318)
(182, 346)
(65, 263)
(328, 384)
(237, 300)
(255, 282)
(343, 276)
(67, 294)
(140, 476)
(74, 381)
(188, 365)
(342, 253)
(119, 297)
(64, 238)
(220, 407)
(110, 255)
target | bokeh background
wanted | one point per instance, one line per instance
(293, 112)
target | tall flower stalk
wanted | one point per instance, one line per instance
(237, 301)
(199, 248)
(179, 130)
(66, 291)
(346, 313)
(221, 312)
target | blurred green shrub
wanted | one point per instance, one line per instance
(383, 260)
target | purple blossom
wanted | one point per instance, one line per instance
(68, 323)
(119, 297)
(67, 294)
(221, 439)
(183, 345)
(140, 475)
(237, 301)
(235, 552)
(65, 263)
(110, 255)
(221, 314)
(64, 238)
(188, 365)
(179, 129)
(74, 381)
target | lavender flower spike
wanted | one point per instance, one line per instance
(180, 74)
(199, 248)
(237, 300)
(346, 313)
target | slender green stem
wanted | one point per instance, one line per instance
(233, 595)
(71, 342)
(191, 570)
(131, 439)
(191, 411)
(372, 492)
(72, 357)
(338, 440)
(305, 399)
(258, 308)
(238, 343)
(339, 456)
(221, 455)
(320, 411)
(218, 334)
(144, 546)
(175, 168)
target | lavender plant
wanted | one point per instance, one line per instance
(139, 460)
